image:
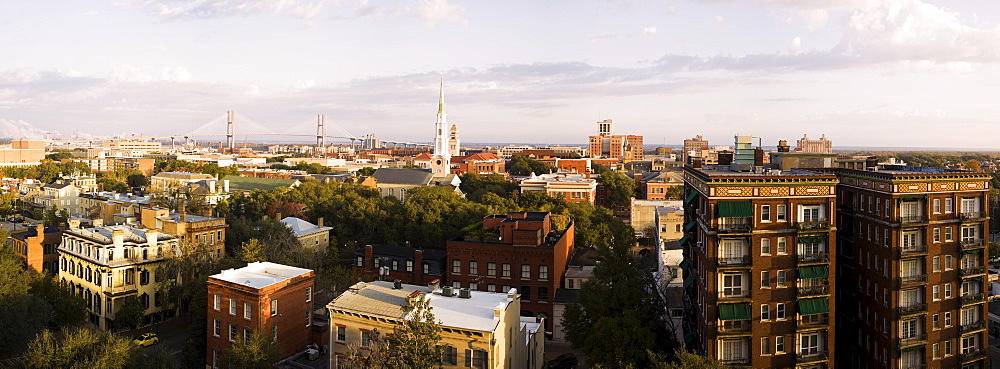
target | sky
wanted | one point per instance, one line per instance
(885, 73)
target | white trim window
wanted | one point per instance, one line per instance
(733, 285)
(732, 350)
(811, 213)
(810, 344)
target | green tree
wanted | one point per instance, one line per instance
(252, 250)
(80, 348)
(675, 193)
(59, 155)
(257, 352)
(68, 308)
(130, 314)
(620, 189)
(683, 360)
(415, 341)
(365, 172)
(521, 165)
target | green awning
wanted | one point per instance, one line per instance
(684, 264)
(813, 306)
(734, 311)
(977, 279)
(688, 337)
(689, 226)
(811, 239)
(912, 198)
(683, 240)
(818, 271)
(688, 281)
(690, 197)
(734, 209)
(912, 348)
(975, 251)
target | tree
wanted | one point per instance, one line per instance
(415, 342)
(81, 348)
(365, 172)
(287, 209)
(251, 251)
(684, 360)
(522, 165)
(974, 165)
(130, 314)
(257, 352)
(620, 189)
(68, 308)
(675, 192)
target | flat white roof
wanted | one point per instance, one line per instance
(260, 274)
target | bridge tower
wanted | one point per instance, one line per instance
(321, 133)
(230, 131)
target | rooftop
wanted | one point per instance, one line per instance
(301, 227)
(260, 274)
(402, 251)
(102, 234)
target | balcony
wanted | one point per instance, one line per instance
(735, 361)
(819, 225)
(115, 290)
(814, 291)
(910, 219)
(912, 280)
(968, 271)
(802, 358)
(915, 250)
(813, 320)
(969, 244)
(735, 261)
(972, 327)
(734, 295)
(971, 215)
(912, 309)
(973, 298)
(734, 327)
(817, 258)
(972, 354)
(919, 339)
(734, 228)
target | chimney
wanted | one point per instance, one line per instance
(40, 229)
(211, 186)
(319, 222)
(512, 294)
(368, 256)
(118, 237)
(182, 209)
(225, 185)
(151, 237)
(418, 265)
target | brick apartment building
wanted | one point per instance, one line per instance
(518, 250)
(759, 291)
(273, 299)
(404, 263)
(912, 265)
(38, 246)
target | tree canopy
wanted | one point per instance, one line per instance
(522, 165)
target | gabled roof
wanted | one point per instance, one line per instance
(423, 156)
(482, 156)
(253, 183)
(403, 176)
(301, 227)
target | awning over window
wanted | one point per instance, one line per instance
(684, 264)
(688, 281)
(813, 306)
(690, 197)
(977, 279)
(811, 239)
(684, 240)
(974, 251)
(689, 226)
(912, 348)
(734, 311)
(818, 271)
(912, 198)
(734, 209)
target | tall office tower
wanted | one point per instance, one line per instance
(758, 255)
(912, 267)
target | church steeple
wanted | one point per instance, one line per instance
(441, 159)
(441, 100)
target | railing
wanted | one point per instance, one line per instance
(813, 225)
(735, 260)
(975, 353)
(913, 366)
(813, 291)
(814, 320)
(912, 219)
(736, 361)
(120, 289)
(742, 294)
(974, 326)
(972, 298)
(912, 279)
(734, 228)
(972, 244)
(970, 215)
(914, 340)
(973, 270)
(913, 250)
(810, 357)
(912, 309)
(820, 257)
(734, 327)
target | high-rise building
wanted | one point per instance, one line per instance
(757, 252)
(607, 144)
(912, 263)
(693, 147)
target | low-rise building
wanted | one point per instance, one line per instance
(311, 236)
(571, 187)
(37, 246)
(207, 233)
(479, 329)
(407, 264)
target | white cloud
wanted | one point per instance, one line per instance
(19, 129)
(649, 31)
(434, 11)
(796, 46)
(202, 9)
(719, 19)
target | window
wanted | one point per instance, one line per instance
(765, 345)
(476, 358)
(936, 295)
(781, 278)
(246, 334)
(969, 344)
(936, 321)
(491, 269)
(949, 262)
(936, 262)
(525, 271)
(810, 213)
(247, 310)
(947, 320)
(969, 205)
(341, 333)
(427, 268)
(810, 344)
(525, 293)
(947, 348)
(779, 345)
(949, 234)
(218, 302)
(274, 307)
(366, 338)
(970, 233)
(395, 265)
(473, 268)
(308, 318)
(543, 272)
(765, 246)
(937, 235)
(765, 213)
(456, 284)
(449, 355)
(232, 332)
(937, 206)
(780, 311)
(732, 285)
(947, 291)
(232, 306)
(456, 266)
(937, 350)
(505, 270)
(218, 328)
(765, 279)
(309, 294)
(948, 206)
(543, 294)
(765, 312)
(908, 328)
(491, 288)
(409, 265)
(781, 213)
(781, 246)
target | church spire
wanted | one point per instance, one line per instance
(441, 98)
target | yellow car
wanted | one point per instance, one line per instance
(146, 340)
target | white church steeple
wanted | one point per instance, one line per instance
(441, 160)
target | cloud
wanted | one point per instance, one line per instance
(207, 9)
(434, 11)
(649, 31)
(19, 129)
(719, 19)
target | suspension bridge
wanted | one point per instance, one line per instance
(248, 127)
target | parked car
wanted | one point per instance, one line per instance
(146, 340)
(564, 361)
